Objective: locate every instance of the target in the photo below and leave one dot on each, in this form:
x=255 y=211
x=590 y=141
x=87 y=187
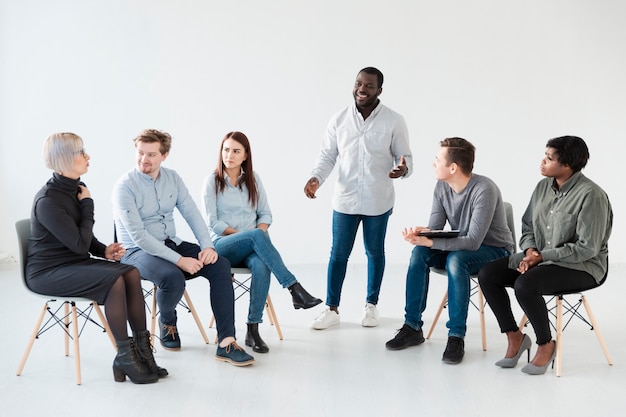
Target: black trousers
x=529 y=290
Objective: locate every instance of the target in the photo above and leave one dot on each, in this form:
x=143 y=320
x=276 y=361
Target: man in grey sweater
x=471 y=204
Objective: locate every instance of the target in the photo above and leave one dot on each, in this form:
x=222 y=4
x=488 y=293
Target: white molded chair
x=65 y=319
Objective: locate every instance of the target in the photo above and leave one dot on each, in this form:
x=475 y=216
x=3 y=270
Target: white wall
x=506 y=75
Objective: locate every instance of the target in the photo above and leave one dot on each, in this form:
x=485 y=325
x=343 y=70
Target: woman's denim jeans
x=254 y=249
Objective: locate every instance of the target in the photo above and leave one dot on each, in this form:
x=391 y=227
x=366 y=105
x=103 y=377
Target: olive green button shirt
x=569 y=226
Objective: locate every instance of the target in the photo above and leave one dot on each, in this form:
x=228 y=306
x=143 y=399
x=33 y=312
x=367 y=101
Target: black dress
x=62 y=243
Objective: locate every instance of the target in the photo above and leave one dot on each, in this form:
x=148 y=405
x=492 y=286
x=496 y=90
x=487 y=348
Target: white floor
x=342 y=371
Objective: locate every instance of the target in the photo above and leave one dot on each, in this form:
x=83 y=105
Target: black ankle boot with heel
x=301 y=298
x=127 y=363
x=253 y=339
x=145 y=350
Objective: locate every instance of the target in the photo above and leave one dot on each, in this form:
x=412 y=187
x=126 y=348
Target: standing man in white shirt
x=369 y=143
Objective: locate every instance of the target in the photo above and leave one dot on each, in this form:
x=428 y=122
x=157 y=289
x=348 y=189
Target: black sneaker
x=405 y=337
x=455 y=349
x=169 y=337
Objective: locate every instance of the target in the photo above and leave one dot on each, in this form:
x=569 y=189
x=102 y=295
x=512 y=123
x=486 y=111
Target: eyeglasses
x=82 y=152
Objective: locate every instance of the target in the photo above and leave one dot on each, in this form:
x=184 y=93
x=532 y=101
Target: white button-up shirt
x=364 y=152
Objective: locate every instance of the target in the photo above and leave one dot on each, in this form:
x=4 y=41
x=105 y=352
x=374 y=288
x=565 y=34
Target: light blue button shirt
x=143 y=210
x=232 y=208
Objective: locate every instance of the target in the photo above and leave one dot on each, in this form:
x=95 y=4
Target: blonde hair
x=152 y=136
x=59 y=150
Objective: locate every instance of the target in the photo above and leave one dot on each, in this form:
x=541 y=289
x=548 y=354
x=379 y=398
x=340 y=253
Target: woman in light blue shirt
x=238 y=216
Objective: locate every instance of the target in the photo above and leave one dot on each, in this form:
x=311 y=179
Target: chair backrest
x=510 y=221
x=22 y=227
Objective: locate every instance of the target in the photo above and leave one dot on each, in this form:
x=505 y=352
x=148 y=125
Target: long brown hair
x=247 y=176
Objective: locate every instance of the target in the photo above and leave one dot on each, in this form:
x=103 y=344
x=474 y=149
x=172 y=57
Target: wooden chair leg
x=522 y=322
x=596 y=329
x=269 y=306
x=105 y=324
x=31 y=341
x=483 y=327
x=442 y=305
x=153 y=314
x=559 y=335
x=195 y=316
x=76 y=344
x=66 y=321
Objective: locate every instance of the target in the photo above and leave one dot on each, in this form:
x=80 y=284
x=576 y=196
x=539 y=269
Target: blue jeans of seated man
x=460 y=265
x=254 y=249
x=171 y=283
x=344 y=228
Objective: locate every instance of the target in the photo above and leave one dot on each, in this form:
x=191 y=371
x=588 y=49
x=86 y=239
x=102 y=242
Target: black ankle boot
x=144 y=348
x=301 y=298
x=253 y=339
x=128 y=363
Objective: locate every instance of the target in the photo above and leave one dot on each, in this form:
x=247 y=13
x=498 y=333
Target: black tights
x=529 y=290
x=125 y=302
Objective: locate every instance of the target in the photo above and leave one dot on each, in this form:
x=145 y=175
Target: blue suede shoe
x=169 y=337
x=234 y=354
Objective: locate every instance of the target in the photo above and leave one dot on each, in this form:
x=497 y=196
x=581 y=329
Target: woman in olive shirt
x=565 y=231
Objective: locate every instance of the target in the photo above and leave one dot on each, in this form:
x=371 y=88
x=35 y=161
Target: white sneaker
x=326 y=319
x=370 y=316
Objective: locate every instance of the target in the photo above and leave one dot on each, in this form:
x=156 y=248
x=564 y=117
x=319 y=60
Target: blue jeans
x=171 y=282
x=254 y=249
x=345 y=227
x=460 y=265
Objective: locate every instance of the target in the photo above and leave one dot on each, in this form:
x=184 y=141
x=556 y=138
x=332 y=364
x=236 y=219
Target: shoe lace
x=403 y=331
x=145 y=350
x=370 y=310
x=322 y=316
x=171 y=330
x=235 y=346
x=455 y=345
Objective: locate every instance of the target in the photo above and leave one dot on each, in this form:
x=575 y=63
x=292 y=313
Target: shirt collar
x=227 y=178
x=567 y=185
x=373 y=113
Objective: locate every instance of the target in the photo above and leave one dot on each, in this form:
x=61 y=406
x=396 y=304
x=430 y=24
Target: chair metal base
x=65 y=321
x=561 y=310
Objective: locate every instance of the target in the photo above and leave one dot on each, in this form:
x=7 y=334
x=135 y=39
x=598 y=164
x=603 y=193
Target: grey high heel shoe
x=531 y=369
x=512 y=362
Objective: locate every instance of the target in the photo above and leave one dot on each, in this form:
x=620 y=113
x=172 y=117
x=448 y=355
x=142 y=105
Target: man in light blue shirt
x=143 y=203
x=369 y=144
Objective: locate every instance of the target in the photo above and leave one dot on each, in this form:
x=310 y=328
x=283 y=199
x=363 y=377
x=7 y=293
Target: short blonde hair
x=151 y=136
x=59 y=150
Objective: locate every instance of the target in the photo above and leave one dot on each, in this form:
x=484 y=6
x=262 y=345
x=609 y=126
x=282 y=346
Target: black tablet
x=439 y=233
